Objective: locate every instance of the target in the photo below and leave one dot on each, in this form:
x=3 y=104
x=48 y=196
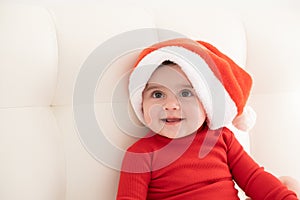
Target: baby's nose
x=172 y=104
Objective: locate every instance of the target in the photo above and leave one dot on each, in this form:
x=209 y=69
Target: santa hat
x=221 y=85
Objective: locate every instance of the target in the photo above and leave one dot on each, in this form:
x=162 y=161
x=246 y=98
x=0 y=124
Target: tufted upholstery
x=42 y=52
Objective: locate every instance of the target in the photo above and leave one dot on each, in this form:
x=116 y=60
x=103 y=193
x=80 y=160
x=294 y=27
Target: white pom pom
x=246 y=120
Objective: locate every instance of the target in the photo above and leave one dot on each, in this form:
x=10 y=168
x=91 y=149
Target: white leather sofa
x=47 y=151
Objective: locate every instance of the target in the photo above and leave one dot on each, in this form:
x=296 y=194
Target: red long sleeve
x=257 y=183
x=156 y=167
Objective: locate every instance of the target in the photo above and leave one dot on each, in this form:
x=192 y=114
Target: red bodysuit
x=159 y=168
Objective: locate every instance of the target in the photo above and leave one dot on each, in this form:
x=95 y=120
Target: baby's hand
x=291 y=183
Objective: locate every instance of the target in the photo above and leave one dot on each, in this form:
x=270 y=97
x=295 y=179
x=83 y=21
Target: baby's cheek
x=153 y=115
x=197 y=113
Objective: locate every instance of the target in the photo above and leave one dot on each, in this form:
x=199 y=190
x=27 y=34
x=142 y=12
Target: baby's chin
x=176 y=134
x=176 y=131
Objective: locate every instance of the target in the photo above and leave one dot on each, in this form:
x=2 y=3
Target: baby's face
x=170 y=105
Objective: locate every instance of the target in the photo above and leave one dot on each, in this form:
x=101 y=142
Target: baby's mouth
x=172 y=120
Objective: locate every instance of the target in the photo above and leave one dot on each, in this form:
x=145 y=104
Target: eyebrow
x=153 y=87
x=187 y=86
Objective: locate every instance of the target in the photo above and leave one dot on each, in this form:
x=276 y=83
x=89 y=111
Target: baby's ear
x=246 y=120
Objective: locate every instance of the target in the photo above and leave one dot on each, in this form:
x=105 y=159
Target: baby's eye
x=157 y=94
x=186 y=93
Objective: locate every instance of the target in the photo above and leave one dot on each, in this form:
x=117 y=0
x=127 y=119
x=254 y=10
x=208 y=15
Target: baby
x=186 y=93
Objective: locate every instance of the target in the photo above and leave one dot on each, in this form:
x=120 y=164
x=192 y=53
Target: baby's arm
x=133 y=186
x=256 y=182
x=245 y=122
x=291 y=184
x=134 y=177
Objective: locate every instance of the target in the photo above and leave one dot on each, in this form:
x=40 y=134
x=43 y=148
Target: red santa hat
x=221 y=85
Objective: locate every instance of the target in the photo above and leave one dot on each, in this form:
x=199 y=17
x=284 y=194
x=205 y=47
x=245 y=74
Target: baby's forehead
x=169 y=76
x=167 y=72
